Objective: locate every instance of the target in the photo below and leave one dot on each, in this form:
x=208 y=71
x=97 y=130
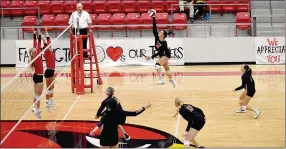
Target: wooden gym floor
x=207 y=87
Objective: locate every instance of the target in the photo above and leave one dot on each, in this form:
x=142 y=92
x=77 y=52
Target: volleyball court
x=17 y=93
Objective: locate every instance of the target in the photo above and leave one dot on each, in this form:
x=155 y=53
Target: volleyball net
x=17 y=93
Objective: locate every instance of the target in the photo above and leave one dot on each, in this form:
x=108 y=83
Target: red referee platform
x=78 y=73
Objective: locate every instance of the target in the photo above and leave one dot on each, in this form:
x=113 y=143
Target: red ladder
x=78 y=74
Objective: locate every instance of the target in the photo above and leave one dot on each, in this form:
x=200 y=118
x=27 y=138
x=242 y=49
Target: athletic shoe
x=160 y=82
x=53 y=104
x=256 y=113
x=240 y=111
x=49 y=105
x=173 y=82
x=200 y=147
x=127 y=137
x=37 y=113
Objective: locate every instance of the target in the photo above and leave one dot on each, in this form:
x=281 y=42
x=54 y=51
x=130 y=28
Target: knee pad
x=168 y=72
x=186 y=142
x=49 y=92
x=38 y=98
x=157 y=66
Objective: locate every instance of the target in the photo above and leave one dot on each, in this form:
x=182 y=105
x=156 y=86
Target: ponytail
x=248 y=70
x=30 y=57
x=180 y=103
x=169 y=33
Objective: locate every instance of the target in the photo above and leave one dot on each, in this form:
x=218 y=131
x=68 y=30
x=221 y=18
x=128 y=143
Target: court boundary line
x=54 y=132
x=177 y=127
x=25 y=114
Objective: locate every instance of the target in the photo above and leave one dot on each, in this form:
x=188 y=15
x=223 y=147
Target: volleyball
x=151 y=12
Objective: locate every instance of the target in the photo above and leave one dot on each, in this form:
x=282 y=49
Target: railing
x=24 y=8
x=207 y=5
x=192 y=30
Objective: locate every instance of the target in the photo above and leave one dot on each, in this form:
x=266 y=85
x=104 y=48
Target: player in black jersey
x=163 y=52
x=112 y=117
x=196 y=121
x=249 y=85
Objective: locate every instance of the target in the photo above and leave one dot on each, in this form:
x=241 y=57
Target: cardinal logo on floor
x=75 y=134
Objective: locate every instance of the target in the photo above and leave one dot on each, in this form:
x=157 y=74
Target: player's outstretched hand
x=92 y=133
x=148 y=57
x=147 y=106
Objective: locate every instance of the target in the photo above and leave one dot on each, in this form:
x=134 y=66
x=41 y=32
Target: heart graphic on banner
x=114 y=53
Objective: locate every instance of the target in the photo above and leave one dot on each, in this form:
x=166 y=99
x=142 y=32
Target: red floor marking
x=149 y=74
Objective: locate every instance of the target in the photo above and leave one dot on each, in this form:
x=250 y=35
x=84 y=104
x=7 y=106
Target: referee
x=80 y=19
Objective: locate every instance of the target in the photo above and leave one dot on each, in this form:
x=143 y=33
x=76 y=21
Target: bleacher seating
x=31 y=4
x=93 y=18
x=48 y=20
x=61 y=20
x=44 y=6
x=70 y=6
x=170 y=8
x=114 y=6
x=179 y=18
x=99 y=6
x=29 y=21
x=129 y=6
x=229 y=7
x=5 y=4
x=87 y=5
x=146 y=19
x=118 y=19
x=133 y=18
x=143 y=6
x=158 y=5
x=104 y=19
x=17 y=4
x=243 y=17
x=57 y=6
x=106 y=12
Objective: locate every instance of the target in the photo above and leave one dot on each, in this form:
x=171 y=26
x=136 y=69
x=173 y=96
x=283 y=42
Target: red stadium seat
x=29 y=4
x=242 y=6
x=216 y=7
x=146 y=19
x=179 y=18
x=87 y=5
x=17 y=4
x=104 y=19
x=44 y=6
x=229 y=7
x=243 y=17
x=129 y=6
x=70 y=6
x=5 y=4
x=29 y=21
x=93 y=18
x=57 y=6
x=114 y=6
x=162 y=18
x=158 y=5
x=144 y=6
x=170 y=8
x=99 y=6
x=48 y=20
x=119 y=19
x=61 y=20
x=133 y=18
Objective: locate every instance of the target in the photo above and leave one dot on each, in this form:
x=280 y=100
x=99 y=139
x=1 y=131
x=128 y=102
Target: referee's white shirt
x=84 y=19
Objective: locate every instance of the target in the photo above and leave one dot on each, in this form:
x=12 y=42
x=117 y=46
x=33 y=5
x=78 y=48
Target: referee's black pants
x=83 y=31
